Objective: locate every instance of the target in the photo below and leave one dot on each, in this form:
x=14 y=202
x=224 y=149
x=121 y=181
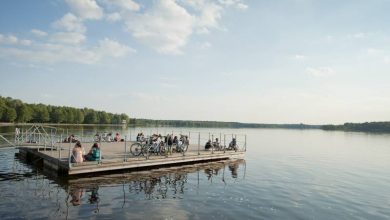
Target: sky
x=257 y=61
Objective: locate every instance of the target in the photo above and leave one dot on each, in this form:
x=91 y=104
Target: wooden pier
x=116 y=156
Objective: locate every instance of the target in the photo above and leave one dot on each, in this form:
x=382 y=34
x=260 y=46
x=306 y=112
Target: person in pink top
x=77 y=153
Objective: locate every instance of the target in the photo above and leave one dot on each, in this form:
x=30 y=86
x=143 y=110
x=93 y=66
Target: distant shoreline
x=370 y=127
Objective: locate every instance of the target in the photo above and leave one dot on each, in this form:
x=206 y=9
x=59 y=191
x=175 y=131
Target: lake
x=286 y=174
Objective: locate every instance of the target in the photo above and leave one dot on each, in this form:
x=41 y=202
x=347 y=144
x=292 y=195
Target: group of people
x=107 y=137
x=216 y=145
x=70 y=139
x=78 y=155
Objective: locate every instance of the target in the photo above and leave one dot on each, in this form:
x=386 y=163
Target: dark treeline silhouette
x=215 y=124
x=14 y=110
x=367 y=127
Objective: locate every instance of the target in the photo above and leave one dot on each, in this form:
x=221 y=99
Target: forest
x=367 y=127
x=14 y=110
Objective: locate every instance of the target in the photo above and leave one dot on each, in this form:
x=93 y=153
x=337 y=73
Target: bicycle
x=183 y=143
x=148 y=147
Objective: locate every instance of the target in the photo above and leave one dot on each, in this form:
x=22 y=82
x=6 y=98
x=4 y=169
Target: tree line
x=214 y=124
x=367 y=127
x=14 y=110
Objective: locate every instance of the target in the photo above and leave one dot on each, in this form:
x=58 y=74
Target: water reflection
x=165 y=183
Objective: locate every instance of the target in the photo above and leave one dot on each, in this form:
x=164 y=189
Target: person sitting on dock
x=233 y=145
x=216 y=144
x=208 y=145
x=117 y=137
x=77 y=153
x=94 y=153
x=70 y=139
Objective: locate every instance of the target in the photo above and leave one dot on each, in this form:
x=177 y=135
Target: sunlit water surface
x=286 y=174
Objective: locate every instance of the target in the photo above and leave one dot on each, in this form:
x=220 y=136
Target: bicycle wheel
x=163 y=150
x=136 y=149
x=184 y=147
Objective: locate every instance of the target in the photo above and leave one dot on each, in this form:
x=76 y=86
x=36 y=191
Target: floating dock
x=116 y=156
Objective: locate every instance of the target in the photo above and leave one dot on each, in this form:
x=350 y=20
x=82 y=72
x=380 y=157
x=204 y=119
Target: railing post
x=212 y=145
x=224 y=143
x=198 y=143
x=59 y=143
x=125 y=159
x=101 y=151
x=235 y=136
x=245 y=144
x=69 y=159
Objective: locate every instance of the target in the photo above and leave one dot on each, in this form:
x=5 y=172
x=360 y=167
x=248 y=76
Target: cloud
x=165 y=27
x=386 y=59
x=205 y=45
x=13 y=40
x=358 y=35
x=68 y=37
x=60 y=51
x=114 y=49
x=125 y=4
x=114 y=17
x=38 y=33
x=320 y=71
x=86 y=9
x=299 y=57
x=235 y=3
x=70 y=22
x=10 y=39
x=25 y=42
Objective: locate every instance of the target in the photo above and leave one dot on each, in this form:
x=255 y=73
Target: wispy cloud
x=320 y=71
x=38 y=33
x=86 y=9
x=299 y=57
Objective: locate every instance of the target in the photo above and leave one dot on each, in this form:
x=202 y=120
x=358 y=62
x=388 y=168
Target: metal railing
x=56 y=143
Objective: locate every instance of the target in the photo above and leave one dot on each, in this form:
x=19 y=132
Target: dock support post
x=125 y=159
x=198 y=143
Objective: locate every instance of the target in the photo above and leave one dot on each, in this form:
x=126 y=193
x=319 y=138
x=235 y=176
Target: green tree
x=69 y=116
x=124 y=117
x=116 y=119
x=79 y=116
x=104 y=118
x=57 y=115
x=41 y=114
x=91 y=118
x=24 y=113
x=9 y=115
x=2 y=107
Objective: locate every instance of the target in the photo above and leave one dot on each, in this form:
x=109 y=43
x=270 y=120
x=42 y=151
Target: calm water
x=286 y=174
